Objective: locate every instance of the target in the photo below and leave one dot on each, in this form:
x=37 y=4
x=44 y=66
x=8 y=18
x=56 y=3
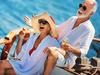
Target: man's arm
x=70 y=48
x=83 y=46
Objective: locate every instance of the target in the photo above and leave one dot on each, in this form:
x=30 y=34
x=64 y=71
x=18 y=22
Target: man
x=75 y=36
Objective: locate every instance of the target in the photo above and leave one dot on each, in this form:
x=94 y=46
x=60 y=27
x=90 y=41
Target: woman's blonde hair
x=53 y=31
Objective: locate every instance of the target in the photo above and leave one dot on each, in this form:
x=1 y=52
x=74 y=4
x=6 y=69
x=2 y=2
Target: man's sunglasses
x=84 y=7
x=42 y=21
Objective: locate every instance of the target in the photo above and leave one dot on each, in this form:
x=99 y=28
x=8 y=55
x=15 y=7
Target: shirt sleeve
x=24 y=47
x=63 y=25
x=86 y=42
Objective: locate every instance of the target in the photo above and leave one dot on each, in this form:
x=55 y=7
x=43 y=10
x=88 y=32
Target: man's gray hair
x=95 y=6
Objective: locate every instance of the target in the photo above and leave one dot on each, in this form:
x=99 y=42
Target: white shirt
x=80 y=37
x=34 y=64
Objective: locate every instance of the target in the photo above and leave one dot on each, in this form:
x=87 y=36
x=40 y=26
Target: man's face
x=85 y=9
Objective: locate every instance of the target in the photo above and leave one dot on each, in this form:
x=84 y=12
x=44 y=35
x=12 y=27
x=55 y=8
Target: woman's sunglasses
x=42 y=21
x=84 y=7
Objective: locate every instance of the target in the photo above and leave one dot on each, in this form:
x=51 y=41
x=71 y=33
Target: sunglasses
x=42 y=21
x=82 y=6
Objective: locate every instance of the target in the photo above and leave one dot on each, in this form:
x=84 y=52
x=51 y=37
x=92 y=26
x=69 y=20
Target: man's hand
x=66 y=46
x=27 y=20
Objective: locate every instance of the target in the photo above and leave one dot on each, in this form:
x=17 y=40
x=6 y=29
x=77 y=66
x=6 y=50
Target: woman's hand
x=27 y=20
x=21 y=35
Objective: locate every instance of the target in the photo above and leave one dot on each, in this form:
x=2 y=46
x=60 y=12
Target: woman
x=32 y=57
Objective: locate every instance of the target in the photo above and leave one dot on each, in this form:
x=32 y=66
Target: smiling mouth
x=41 y=27
x=79 y=12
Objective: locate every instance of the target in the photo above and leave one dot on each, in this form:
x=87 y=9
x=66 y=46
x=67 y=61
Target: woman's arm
x=20 y=42
x=27 y=20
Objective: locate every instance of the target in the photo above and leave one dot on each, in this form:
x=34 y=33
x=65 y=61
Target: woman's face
x=44 y=28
